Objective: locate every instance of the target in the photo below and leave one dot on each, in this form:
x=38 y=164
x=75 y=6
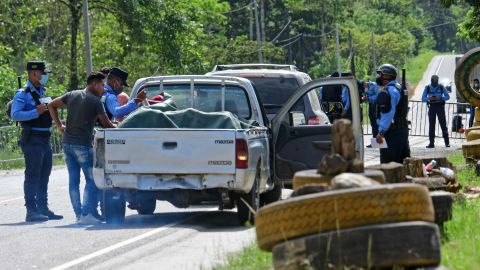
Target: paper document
x=377 y=145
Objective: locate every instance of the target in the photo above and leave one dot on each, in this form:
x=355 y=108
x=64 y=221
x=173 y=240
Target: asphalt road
x=193 y=238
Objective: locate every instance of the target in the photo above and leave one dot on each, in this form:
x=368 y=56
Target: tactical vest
x=44 y=120
x=430 y=91
x=401 y=110
x=332 y=93
x=109 y=114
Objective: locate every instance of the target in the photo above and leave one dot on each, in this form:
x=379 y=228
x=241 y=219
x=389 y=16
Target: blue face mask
x=44 y=79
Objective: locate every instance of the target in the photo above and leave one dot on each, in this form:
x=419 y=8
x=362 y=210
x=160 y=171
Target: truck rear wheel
x=114 y=207
x=272 y=195
x=147 y=206
x=247 y=204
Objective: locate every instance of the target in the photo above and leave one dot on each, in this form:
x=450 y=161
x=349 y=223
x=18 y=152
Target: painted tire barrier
x=403 y=244
x=471 y=149
x=341 y=209
x=473 y=135
x=308 y=177
x=302 y=178
x=462 y=76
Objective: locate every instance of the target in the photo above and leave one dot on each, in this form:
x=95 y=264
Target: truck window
x=275 y=91
x=335 y=101
x=206 y=98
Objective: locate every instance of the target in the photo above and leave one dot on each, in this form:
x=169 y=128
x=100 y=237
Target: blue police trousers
x=37 y=151
x=398 y=147
x=437 y=110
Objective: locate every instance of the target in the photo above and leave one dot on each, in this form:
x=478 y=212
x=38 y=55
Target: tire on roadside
x=306 y=177
x=114 y=206
x=341 y=209
x=147 y=206
x=464 y=68
x=402 y=244
x=442 y=204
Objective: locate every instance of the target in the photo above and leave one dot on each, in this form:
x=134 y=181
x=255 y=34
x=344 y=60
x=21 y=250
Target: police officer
x=29 y=107
x=435 y=95
x=116 y=80
x=392 y=107
x=371 y=92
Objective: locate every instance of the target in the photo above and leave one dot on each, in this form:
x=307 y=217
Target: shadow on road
x=215 y=221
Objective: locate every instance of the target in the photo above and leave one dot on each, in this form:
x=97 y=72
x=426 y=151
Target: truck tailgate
x=169 y=151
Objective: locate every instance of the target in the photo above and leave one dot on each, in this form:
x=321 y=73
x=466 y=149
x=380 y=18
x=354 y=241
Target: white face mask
x=44 y=79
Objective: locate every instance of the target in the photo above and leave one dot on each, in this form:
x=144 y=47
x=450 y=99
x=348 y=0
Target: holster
x=25 y=134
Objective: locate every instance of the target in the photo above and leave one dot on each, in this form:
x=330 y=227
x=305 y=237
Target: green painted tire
x=462 y=76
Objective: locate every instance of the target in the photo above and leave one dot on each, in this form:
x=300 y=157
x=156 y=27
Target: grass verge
x=416 y=66
x=250 y=258
x=20 y=164
x=461 y=243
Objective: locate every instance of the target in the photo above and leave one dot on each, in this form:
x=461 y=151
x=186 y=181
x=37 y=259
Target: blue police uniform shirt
x=386 y=119
x=372 y=92
x=113 y=106
x=438 y=91
x=24 y=107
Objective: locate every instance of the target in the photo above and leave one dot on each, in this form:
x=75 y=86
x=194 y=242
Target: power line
x=283 y=29
x=288 y=39
x=290 y=43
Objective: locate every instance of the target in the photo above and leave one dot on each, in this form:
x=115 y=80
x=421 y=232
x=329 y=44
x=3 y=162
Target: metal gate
x=418 y=119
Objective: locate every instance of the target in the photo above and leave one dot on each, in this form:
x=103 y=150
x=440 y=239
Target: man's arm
x=52 y=108
x=425 y=96
x=18 y=105
x=106 y=123
x=118 y=111
x=445 y=95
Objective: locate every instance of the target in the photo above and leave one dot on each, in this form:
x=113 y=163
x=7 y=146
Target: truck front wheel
x=247 y=204
x=114 y=206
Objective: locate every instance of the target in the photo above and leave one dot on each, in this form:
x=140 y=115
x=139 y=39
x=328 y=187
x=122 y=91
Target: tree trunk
x=74 y=25
x=413 y=167
x=394 y=172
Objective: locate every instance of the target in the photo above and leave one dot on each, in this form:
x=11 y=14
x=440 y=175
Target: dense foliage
x=151 y=37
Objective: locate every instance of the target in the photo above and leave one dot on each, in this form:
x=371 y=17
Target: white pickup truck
x=189 y=163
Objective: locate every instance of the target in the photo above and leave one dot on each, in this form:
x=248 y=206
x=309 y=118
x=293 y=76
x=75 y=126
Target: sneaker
x=51 y=216
x=98 y=216
x=34 y=216
x=88 y=220
x=430 y=146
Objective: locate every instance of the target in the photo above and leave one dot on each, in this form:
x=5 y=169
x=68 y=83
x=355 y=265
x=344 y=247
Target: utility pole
x=374 y=55
x=337 y=45
x=250 y=13
x=262 y=19
x=257 y=29
x=352 y=53
x=86 y=29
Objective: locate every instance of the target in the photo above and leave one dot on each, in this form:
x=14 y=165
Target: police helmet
x=387 y=69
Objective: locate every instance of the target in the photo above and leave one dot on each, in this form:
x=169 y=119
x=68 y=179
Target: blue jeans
x=37 y=151
x=81 y=157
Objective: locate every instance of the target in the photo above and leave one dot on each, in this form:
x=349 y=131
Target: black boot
x=48 y=213
x=34 y=216
x=430 y=146
x=447 y=142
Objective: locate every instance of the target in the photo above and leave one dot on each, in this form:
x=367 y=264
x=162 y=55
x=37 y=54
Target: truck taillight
x=241 y=154
x=313 y=121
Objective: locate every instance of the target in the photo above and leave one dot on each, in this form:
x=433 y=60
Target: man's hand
x=365 y=98
x=379 y=138
x=61 y=128
x=41 y=108
x=141 y=95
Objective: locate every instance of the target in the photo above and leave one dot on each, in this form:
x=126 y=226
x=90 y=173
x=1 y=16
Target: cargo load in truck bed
x=189 y=118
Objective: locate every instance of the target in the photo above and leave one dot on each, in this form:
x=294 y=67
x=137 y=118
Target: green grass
x=20 y=164
x=416 y=66
x=250 y=258
x=461 y=242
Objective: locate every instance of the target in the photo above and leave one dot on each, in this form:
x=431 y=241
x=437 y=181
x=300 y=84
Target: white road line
x=439 y=65
x=9 y=200
x=122 y=244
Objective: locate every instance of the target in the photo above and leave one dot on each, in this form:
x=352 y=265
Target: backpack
x=35 y=96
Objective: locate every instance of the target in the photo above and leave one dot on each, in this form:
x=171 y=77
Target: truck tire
x=147 y=206
x=272 y=195
x=341 y=209
x=403 y=244
x=247 y=204
x=114 y=206
x=471 y=149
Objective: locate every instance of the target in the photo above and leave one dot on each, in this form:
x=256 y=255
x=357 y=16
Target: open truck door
x=298 y=146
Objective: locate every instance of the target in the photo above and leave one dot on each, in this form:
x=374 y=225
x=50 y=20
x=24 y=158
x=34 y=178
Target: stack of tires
x=377 y=226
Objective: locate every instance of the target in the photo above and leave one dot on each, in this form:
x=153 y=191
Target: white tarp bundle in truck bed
x=163 y=117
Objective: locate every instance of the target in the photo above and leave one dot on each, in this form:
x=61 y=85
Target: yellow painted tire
x=376 y=175
x=476 y=124
x=471 y=149
x=302 y=178
x=477 y=114
x=471 y=129
x=341 y=209
x=464 y=68
x=473 y=135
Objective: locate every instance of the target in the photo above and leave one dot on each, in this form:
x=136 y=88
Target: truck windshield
x=206 y=98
